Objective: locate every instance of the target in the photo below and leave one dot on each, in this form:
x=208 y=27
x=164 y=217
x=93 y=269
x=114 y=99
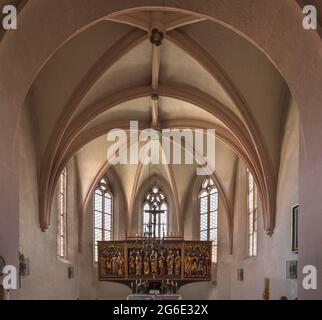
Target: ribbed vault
x=86 y=113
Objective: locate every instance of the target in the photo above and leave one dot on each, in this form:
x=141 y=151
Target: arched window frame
x=208 y=200
x=163 y=218
x=62 y=216
x=252 y=215
x=102 y=214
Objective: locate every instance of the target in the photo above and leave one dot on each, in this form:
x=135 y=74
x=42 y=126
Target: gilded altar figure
x=138 y=264
x=120 y=264
x=200 y=264
x=108 y=264
x=187 y=264
x=114 y=264
x=154 y=262
x=161 y=264
x=146 y=265
x=102 y=264
x=170 y=263
x=177 y=262
x=131 y=263
x=194 y=264
x=196 y=260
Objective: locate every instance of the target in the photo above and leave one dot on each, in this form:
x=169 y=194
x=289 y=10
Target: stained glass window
x=103 y=214
x=62 y=217
x=252 y=215
x=208 y=210
x=155 y=199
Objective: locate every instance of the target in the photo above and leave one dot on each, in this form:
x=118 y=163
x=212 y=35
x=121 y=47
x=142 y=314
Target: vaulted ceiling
x=201 y=76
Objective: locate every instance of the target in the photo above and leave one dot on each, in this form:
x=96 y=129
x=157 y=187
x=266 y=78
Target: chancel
x=152 y=150
x=154 y=263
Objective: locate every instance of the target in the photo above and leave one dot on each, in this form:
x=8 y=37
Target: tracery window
x=208 y=210
x=252 y=215
x=103 y=214
x=62 y=216
x=155 y=198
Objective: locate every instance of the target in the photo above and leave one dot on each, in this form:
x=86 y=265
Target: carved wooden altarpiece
x=170 y=260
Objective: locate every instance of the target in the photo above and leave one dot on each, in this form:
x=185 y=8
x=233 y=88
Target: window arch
x=62 y=216
x=103 y=214
x=208 y=211
x=155 y=198
x=251 y=215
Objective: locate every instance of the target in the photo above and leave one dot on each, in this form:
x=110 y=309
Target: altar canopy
x=170 y=260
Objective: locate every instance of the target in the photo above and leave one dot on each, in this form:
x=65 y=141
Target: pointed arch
x=224 y=199
x=207 y=103
x=103 y=212
x=155 y=199
x=143 y=190
x=230 y=13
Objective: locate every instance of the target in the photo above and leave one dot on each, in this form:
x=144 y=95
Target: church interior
x=78 y=226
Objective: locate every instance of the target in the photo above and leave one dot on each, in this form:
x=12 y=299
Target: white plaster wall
x=274 y=251
x=48 y=277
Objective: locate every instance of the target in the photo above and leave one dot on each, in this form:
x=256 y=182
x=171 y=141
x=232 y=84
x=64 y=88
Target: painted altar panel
x=155 y=263
x=112 y=260
x=197 y=260
x=170 y=260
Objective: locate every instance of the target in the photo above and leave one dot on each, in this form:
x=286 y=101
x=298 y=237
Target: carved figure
x=170 y=263
x=108 y=264
x=200 y=264
x=154 y=262
x=187 y=264
x=146 y=265
x=138 y=264
x=131 y=263
x=114 y=264
x=161 y=264
x=120 y=264
x=194 y=264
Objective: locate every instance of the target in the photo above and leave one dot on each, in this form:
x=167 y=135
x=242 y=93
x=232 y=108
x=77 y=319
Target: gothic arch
x=120 y=203
x=145 y=187
x=257 y=24
x=224 y=201
x=239 y=132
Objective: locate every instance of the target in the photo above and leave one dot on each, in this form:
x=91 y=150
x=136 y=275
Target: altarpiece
x=171 y=260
